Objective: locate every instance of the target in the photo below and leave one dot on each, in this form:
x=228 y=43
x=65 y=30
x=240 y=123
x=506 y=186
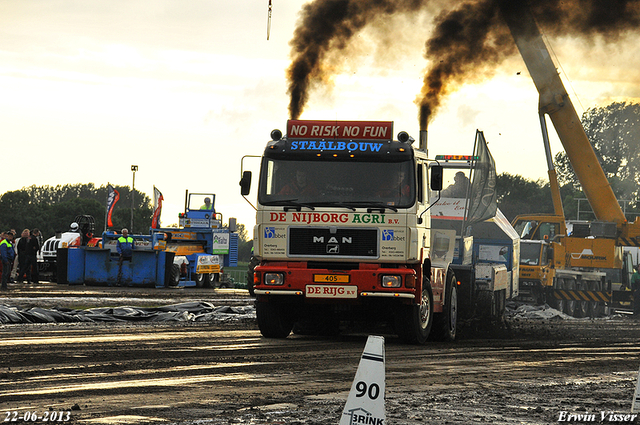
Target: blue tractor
x=201 y=247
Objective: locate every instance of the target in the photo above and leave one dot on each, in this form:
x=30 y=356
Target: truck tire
x=570 y=306
x=200 y=280
x=445 y=324
x=174 y=278
x=250 y=284
x=413 y=322
x=250 y=276
x=273 y=320
x=553 y=301
x=215 y=280
x=582 y=307
x=207 y=280
x=596 y=309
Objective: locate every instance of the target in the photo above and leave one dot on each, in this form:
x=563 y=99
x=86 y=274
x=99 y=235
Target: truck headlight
x=391 y=281
x=273 y=278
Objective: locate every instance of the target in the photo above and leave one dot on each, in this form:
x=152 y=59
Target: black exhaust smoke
x=469 y=41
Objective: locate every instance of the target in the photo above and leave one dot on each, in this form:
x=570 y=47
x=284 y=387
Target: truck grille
x=333 y=242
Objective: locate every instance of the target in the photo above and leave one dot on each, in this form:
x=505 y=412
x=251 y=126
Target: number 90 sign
x=372 y=391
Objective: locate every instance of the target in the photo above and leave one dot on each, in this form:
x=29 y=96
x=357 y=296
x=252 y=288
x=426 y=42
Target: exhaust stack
x=423 y=141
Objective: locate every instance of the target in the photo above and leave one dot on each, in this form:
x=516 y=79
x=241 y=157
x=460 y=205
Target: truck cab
x=536 y=271
x=539 y=226
x=343 y=231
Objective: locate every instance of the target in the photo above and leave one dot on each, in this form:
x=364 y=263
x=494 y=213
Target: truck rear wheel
x=582 y=307
x=174 y=278
x=413 y=322
x=445 y=324
x=554 y=302
x=595 y=309
x=200 y=280
x=570 y=305
x=273 y=320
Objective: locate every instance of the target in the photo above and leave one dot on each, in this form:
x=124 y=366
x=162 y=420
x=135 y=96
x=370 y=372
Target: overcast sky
x=185 y=89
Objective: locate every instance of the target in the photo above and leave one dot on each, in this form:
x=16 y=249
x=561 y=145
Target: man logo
x=332 y=239
x=333 y=249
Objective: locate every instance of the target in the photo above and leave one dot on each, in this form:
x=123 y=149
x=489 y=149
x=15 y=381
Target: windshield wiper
x=370 y=206
x=381 y=207
x=335 y=204
x=286 y=203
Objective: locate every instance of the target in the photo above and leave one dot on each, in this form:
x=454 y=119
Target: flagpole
x=106 y=210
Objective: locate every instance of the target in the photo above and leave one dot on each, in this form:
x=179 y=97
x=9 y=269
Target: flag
x=483 y=201
x=112 y=197
x=157 y=208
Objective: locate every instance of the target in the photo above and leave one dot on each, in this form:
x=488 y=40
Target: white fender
x=365 y=404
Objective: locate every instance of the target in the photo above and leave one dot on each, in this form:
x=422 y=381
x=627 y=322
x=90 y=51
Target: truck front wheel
x=445 y=324
x=273 y=320
x=413 y=322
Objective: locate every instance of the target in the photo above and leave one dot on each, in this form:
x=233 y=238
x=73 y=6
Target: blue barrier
x=96 y=266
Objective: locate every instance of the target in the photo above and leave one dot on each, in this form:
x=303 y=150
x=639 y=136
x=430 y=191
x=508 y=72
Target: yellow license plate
x=331 y=278
x=210 y=268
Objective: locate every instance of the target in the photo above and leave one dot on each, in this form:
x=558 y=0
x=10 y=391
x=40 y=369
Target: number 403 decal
x=372 y=391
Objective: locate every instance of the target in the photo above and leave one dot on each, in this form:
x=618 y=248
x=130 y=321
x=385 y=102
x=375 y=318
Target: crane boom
x=553 y=176
x=555 y=102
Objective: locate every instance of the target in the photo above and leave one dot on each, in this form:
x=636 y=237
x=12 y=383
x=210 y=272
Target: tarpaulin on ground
x=525 y=311
x=195 y=311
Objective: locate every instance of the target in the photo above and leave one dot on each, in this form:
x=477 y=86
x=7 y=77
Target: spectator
x=7 y=253
x=13 y=262
x=33 y=246
x=125 y=246
x=22 y=256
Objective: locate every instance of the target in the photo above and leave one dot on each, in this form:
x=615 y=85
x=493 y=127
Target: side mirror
x=436 y=177
x=245 y=183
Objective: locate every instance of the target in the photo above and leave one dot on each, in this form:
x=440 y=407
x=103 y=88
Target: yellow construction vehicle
x=579 y=269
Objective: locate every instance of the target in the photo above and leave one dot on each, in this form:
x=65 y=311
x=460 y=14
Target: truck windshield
x=530 y=254
x=347 y=184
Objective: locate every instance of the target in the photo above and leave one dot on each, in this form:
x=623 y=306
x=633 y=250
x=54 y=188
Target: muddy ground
x=529 y=371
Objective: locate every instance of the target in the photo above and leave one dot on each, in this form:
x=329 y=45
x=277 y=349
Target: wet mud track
x=527 y=373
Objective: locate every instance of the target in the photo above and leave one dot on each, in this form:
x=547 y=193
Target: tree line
x=53 y=208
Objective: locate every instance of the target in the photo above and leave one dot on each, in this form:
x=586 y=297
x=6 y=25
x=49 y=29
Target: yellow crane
x=574 y=272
